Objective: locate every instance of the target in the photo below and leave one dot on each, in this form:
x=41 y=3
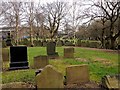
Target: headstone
x=110 y=82
x=40 y=61
x=18 y=57
x=69 y=52
x=76 y=74
x=49 y=78
x=51 y=49
x=5 y=54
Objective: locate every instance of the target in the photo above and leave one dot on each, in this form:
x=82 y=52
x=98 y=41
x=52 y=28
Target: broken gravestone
x=40 y=61
x=111 y=82
x=69 y=52
x=49 y=77
x=76 y=74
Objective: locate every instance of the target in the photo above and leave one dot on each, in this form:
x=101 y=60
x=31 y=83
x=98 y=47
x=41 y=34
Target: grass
x=97 y=68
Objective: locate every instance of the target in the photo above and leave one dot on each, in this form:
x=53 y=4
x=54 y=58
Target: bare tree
x=54 y=12
x=11 y=17
x=112 y=13
x=39 y=20
x=30 y=16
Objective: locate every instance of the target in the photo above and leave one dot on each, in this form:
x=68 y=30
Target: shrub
x=78 y=43
x=25 y=41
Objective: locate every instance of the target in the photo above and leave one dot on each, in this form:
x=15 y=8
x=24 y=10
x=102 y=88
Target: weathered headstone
x=76 y=74
x=51 y=49
x=18 y=57
x=49 y=78
x=40 y=61
x=5 y=54
x=110 y=82
x=69 y=52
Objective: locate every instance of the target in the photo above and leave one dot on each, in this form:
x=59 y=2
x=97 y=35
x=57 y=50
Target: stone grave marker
x=110 y=82
x=5 y=54
x=51 y=49
x=18 y=57
x=40 y=61
x=49 y=77
x=76 y=74
x=69 y=52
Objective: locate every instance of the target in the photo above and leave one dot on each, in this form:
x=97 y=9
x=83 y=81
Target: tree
x=30 y=16
x=39 y=21
x=111 y=10
x=11 y=16
x=54 y=13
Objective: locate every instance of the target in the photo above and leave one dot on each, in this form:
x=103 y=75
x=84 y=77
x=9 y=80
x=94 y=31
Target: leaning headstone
x=110 y=82
x=51 y=49
x=69 y=52
x=40 y=61
x=18 y=57
x=49 y=78
x=76 y=74
x=5 y=54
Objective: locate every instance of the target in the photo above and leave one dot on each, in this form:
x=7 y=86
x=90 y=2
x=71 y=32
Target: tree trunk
x=112 y=44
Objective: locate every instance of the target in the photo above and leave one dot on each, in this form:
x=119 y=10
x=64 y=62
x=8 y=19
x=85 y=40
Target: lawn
x=100 y=63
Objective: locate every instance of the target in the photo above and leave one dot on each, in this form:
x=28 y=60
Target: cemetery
x=48 y=50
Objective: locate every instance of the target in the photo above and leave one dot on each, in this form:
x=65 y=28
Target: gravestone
x=5 y=54
x=40 y=61
x=49 y=77
x=18 y=57
x=110 y=82
x=76 y=74
x=51 y=49
x=69 y=52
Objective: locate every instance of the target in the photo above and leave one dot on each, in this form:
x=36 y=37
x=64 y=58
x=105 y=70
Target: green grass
x=97 y=69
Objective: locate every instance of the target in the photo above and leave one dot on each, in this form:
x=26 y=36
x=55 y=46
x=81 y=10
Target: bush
x=37 y=43
x=68 y=44
x=94 y=44
x=59 y=43
x=86 y=43
x=78 y=43
x=25 y=42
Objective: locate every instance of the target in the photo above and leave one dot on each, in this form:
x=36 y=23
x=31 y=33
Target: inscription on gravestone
x=18 y=57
